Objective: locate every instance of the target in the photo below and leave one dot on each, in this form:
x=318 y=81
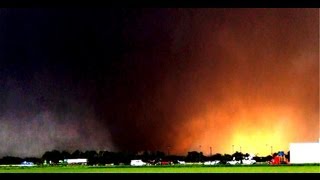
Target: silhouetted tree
x=238 y=156
x=268 y=158
x=108 y=157
x=225 y=158
x=160 y=155
x=10 y=160
x=53 y=156
x=257 y=159
x=288 y=156
x=124 y=157
x=175 y=158
x=146 y=156
x=128 y=156
x=92 y=157
x=65 y=155
x=194 y=156
x=217 y=156
x=76 y=154
x=35 y=160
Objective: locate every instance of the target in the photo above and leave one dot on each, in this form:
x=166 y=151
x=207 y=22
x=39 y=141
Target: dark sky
x=148 y=79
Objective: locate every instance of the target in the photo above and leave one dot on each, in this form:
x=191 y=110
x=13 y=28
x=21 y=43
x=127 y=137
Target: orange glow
x=253 y=85
x=253 y=129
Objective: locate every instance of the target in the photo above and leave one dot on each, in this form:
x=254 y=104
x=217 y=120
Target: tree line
x=116 y=158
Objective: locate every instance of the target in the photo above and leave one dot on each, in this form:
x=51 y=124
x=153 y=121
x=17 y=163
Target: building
x=76 y=161
x=304 y=153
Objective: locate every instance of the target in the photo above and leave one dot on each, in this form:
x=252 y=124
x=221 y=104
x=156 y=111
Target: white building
x=76 y=161
x=304 y=153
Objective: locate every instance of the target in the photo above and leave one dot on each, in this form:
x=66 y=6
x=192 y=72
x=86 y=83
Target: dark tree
x=107 y=157
x=76 y=154
x=225 y=158
x=268 y=158
x=35 y=160
x=258 y=159
x=159 y=155
x=217 y=156
x=10 y=160
x=238 y=156
x=194 y=156
x=288 y=156
x=92 y=157
x=65 y=155
x=53 y=156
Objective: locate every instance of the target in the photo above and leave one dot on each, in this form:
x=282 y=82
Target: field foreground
x=167 y=169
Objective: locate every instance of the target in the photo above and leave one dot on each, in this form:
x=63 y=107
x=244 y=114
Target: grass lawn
x=168 y=169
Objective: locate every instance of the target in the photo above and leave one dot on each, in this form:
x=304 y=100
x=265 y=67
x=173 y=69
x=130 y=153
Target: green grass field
x=169 y=169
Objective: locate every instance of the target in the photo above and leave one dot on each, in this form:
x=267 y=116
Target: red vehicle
x=166 y=163
x=279 y=159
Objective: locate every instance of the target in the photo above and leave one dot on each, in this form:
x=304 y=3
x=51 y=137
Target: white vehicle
x=234 y=162
x=211 y=162
x=76 y=161
x=248 y=160
x=181 y=162
x=137 y=163
x=25 y=163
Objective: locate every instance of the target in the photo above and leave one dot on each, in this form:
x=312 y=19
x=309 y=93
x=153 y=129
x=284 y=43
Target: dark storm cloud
x=34 y=120
x=145 y=79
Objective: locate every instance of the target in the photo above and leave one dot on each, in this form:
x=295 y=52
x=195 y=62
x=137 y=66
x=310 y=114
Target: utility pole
x=210 y=151
x=232 y=149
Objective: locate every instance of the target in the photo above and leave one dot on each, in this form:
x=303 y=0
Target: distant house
x=76 y=161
